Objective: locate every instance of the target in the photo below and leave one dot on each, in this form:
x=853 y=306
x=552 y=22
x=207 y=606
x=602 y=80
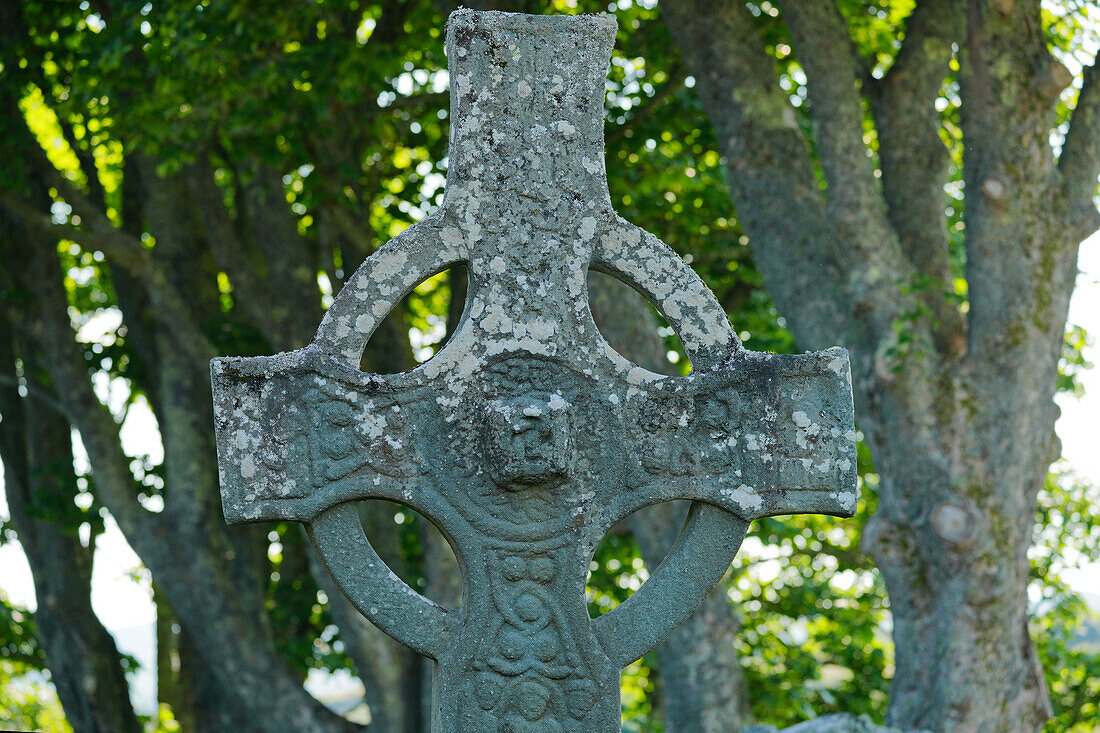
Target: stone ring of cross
x=526 y=437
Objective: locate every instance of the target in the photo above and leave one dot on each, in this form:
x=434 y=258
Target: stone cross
x=527 y=437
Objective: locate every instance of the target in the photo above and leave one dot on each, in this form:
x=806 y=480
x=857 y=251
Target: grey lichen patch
x=527 y=436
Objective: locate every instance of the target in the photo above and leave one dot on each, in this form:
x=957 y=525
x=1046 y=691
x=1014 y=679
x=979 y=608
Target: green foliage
x=616 y=571
x=1066 y=628
x=815 y=637
x=877 y=28
x=28 y=701
x=1074 y=361
x=298 y=609
x=19 y=643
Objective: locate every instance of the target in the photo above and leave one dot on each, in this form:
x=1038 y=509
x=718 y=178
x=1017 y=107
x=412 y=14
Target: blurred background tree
x=187 y=179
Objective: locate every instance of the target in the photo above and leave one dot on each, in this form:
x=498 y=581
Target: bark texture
x=40 y=486
x=957 y=403
x=236 y=679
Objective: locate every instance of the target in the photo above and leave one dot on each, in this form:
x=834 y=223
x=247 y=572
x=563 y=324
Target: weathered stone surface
x=527 y=437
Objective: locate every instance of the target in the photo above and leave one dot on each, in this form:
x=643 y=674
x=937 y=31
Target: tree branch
x=925 y=51
x=47 y=324
x=673 y=84
x=915 y=162
x=1079 y=163
x=121 y=248
x=34 y=392
x=1019 y=264
x=855 y=203
x=125 y=251
x=246 y=270
x=823 y=47
x=109 y=243
x=772 y=179
x=834 y=273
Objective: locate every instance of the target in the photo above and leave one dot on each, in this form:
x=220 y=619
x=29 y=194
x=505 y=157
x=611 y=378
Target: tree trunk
x=208 y=572
x=957 y=405
x=219 y=594
x=36 y=449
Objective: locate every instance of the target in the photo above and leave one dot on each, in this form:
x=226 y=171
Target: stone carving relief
x=527 y=437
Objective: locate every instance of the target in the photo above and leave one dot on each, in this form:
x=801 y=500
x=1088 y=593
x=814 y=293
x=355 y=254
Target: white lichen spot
x=496 y=320
x=564 y=127
x=371 y=423
x=745 y=497
x=451 y=236
x=801 y=419
x=248 y=467
x=342 y=329
x=240 y=439
x=532 y=411
x=556 y=402
x=497 y=265
x=587 y=228
x=363 y=323
x=380 y=308
x=540 y=330
x=838 y=365
x=387 y=263
x=524 y=89
x=473 y=229
x=613 y=398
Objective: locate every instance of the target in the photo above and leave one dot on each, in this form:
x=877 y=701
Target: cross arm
x=301 y=437
x=298 y=433
x=761 y=435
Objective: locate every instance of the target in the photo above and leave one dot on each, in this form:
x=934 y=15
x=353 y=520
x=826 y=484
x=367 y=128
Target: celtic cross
x=527 y=437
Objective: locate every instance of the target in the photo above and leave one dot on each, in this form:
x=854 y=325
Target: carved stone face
x=526 y=440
